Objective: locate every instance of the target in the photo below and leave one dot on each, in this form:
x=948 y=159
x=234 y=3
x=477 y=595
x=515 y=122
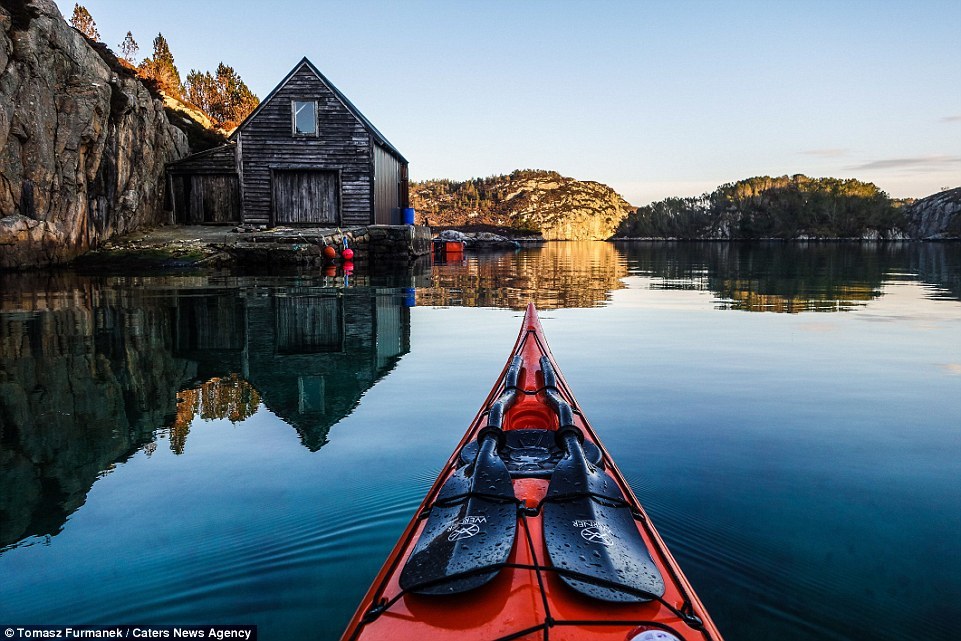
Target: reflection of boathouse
x=310 y=352
x=89 y=373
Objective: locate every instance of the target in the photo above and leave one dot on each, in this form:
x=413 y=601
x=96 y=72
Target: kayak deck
x=617 y=580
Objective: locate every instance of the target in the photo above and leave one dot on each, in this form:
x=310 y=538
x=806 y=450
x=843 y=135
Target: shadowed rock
x=82 y=146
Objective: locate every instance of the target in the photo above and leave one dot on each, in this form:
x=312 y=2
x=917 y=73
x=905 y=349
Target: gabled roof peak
x=374 y=132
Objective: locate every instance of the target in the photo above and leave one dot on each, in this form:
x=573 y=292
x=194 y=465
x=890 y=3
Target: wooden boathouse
x=306 y=156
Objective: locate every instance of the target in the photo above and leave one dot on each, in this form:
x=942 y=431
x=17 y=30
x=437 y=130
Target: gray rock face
x=936 y=217
x=82 y=148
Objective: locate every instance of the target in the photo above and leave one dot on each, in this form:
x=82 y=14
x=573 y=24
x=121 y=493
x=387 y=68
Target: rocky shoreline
x=192 y=246
x=179 y=247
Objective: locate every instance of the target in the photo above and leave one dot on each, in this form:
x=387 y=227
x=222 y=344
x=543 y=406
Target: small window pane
x=305 y=117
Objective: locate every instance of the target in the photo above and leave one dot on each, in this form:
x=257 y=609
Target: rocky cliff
x=936 y=217
x=82 y=144
x=560 y=208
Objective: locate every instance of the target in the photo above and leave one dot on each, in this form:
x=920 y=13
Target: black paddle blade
x=470 y=530
x=588 y=529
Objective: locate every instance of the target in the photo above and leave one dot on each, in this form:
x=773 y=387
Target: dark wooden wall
x=346 y=174
x=343 y=145
x=204 y=188
x=206 y=199
x=218 y=160
x=388 y=183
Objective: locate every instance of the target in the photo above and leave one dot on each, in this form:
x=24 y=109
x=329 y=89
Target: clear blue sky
x=653 y=98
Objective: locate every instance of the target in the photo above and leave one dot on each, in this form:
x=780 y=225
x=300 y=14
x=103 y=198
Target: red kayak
x=531 y=532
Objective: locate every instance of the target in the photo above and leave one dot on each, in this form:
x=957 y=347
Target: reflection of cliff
x=939 y=264
x=86 y=376
x=790 y=277
x=556 y=275
x=91 y=370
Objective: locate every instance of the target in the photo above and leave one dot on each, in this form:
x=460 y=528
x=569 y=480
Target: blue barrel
x=408 y=215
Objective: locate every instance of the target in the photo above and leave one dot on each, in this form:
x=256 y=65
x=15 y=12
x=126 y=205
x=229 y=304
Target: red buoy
x=330 y=253
x=348 y=254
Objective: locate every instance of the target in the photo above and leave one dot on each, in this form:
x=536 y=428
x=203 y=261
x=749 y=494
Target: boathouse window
x=305 y=117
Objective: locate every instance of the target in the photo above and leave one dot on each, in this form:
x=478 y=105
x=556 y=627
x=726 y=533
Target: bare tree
x=129 y=49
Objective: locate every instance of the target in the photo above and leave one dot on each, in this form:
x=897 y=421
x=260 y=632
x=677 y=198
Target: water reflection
x=555 y=275
x=778 y=277
x=94 y=369
x=231 y=398
x=794 y=277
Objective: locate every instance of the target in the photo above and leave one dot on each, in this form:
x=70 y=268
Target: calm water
x=195 y=449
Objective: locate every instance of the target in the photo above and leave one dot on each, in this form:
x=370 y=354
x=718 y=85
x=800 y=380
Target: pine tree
x=129 y=49
x=200 y=88
x=83 y=22
x=224 y=96
x=236 y=99
x=161 y=68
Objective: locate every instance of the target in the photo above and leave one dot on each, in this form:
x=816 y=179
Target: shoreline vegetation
x=740 y=213
x=782 y=208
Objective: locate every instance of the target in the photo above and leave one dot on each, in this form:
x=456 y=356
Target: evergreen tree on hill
x=83 y=22
x=161 y=68
x=223 y=96
x=237 y=100
x=200 y=89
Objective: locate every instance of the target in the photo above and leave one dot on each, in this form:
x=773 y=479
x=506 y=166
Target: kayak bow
x=531 y=532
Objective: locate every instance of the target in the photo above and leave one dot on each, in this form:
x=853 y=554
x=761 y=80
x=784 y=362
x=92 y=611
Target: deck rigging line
x=684 y=613
x=565 y=414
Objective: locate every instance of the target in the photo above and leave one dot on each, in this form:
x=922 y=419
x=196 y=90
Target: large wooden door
x=214 y=199
x=309 y=324
x=306 y=197
x=206 y=199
